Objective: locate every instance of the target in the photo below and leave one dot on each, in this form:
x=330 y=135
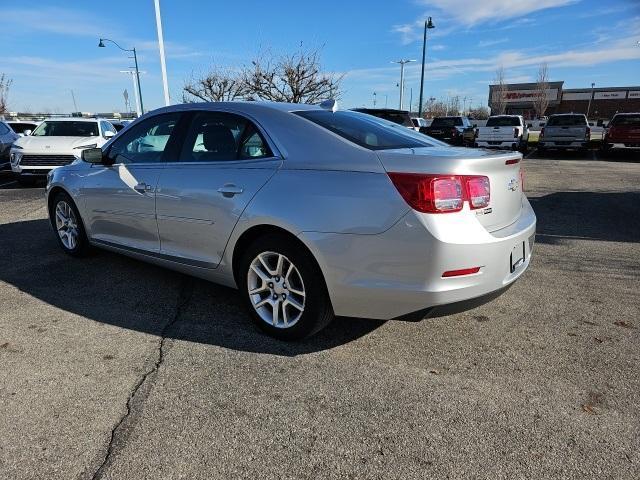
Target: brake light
x=587 y=134
x=515 y=133
x=522 y=178
x=442 y=193
x=541 y=132
x=454 y=131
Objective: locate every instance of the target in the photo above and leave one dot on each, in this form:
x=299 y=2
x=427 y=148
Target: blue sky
x=50 y=48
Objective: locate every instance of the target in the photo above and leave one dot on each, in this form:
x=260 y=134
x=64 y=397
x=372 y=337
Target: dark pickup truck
x=452 y=130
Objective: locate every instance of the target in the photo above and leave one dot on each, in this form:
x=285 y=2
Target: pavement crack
x=184 y=296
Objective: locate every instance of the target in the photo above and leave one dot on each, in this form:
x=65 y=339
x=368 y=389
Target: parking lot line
x=8 y=183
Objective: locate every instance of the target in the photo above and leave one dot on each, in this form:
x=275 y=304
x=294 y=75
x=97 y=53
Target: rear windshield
x=21 y=127
x=503 y=122
x=626 y=120
x=447 y=122
x=567 y=121
x=66 y=129
x=366 y=130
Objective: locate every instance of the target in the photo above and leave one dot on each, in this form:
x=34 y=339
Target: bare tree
x=434 y=108
x=479 y=113
x=453 y=105
x=294 y=78
x=499 y=93
x=541 y=100
x=5 y=84
x=219 y=85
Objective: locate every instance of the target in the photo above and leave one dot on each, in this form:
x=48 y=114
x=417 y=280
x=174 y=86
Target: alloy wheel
x=276 y=289
x=66 y=225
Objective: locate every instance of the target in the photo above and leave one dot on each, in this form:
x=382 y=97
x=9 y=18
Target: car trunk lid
x=502 y=169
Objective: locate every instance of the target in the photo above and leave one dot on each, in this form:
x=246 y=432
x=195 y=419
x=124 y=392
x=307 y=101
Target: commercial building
x=601 y=103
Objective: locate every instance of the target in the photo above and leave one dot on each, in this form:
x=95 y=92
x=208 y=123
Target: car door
x=224 y=161
x=119 y=199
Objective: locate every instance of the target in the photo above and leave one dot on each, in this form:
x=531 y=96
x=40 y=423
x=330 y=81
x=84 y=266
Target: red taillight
x=522 y=178
x=442 y=193
x=479 y=191
x=463 y=271
x=541 y=132
x=515 y=133
x=454 y=131
x=587 y=134
x=512 y=161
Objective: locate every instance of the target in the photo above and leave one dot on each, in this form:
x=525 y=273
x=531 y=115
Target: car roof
x=567 y=114
x=381 y=110
x=72 y=119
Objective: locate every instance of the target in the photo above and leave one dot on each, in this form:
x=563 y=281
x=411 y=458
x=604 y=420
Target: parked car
x=54 y=143
x=22 y=127
x=310 y=212
x=401 y=117
x=623 y=132
x=419 y=122
x=504 y=131
x=565 y=131
x=452 y=130
x=7 y=137
x=119 y=124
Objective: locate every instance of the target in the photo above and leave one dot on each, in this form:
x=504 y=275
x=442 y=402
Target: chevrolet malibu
x=309 y=211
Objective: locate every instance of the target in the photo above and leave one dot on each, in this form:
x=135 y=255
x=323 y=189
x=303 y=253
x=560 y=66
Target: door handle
x=229 y=190
x=143 y=188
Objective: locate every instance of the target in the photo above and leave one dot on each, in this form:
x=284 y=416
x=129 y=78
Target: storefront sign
x=634 y=93
x=576 y=95
x=515 y=96
x=609 y=95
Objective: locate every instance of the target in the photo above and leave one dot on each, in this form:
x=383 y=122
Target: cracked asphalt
x=114 y=369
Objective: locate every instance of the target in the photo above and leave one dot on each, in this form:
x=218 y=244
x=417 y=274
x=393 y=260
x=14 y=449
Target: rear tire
x=289 y=298
x=67 y=226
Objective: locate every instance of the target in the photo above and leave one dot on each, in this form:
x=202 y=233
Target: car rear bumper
x=400 y=272
x=511 y=144
x=560 y=144
x=623 y=145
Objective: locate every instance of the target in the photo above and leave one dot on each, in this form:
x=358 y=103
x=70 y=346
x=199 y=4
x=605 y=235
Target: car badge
x=513 y=185
x=47 y=146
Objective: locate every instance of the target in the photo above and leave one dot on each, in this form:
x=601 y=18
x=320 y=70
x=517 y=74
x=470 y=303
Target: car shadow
x=117 y=290
x=603 y=216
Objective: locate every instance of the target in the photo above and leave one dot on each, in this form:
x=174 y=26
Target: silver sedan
x=309 y=211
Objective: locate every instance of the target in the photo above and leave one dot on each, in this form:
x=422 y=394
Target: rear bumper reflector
x=458 y=273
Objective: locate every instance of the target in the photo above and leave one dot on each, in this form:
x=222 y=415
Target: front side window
x=145 y=142
x=219 y=136
x=626 y=120
x=68 y=128
x=366 y=130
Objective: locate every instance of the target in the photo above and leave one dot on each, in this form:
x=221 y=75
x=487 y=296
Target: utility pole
x=590 y=97
x=386 y=100
x=137 y=71
x=136 y=88
x=374 y=99
x=73 y=97
x=410 y=98
x=427 y=25
x=163 y=63
x=402 y=63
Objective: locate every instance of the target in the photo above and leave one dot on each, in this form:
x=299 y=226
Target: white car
x=54 y=143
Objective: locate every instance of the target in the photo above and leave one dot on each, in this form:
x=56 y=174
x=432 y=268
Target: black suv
x=401 y=117
x=453 y=130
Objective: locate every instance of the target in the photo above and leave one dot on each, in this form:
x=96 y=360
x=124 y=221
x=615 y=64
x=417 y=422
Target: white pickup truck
x=504 y=131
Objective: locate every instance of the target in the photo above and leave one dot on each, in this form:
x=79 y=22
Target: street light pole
x=374 y=99
x=163 y=63
x=402 y=63
x=590 y=97
x=427 y=25
x=135 y=59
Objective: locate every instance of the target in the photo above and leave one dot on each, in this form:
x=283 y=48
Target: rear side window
x=626 y=120
x=503 y=122
x=447 y=122
x=366 y=130
x=567 y=121
x=219 y=136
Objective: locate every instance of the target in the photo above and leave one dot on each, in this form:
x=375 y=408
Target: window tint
x=3 y=129
x=447 y=122
x=144 y=142
x=21 y=127
x=68 y=128
x=567 y=121
x=399 y=117
x=503 y=122
x=367 y=131
x=626 y=120
x=218 y=136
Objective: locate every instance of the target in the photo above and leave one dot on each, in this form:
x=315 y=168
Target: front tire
x=67 y=225
x=283 y=288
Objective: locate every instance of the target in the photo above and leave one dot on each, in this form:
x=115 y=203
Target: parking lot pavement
x=111 y=368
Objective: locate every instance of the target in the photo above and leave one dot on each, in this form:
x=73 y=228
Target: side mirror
x=26 y=133
x=475 y=125
x=92 y=155
x=108 y=134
